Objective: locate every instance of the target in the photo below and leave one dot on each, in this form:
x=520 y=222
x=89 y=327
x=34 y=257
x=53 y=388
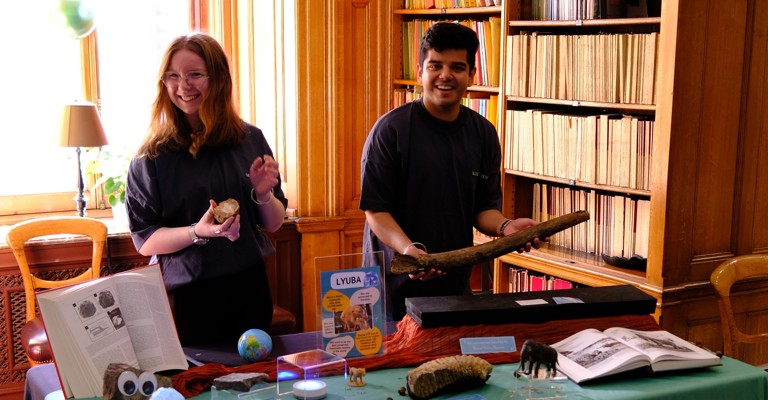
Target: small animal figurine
x=356 y=377
x=537 y=354
x=124 y=382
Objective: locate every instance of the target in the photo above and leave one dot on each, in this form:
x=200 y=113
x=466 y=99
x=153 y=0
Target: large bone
x=407 y=264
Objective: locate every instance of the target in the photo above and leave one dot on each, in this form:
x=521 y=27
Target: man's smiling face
x=445 y=77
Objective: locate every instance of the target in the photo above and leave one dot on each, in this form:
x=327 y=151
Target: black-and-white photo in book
x=591 y=354
x=121 y=318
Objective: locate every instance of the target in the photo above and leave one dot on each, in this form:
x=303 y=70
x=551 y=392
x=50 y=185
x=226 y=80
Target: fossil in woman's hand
x=225 y=209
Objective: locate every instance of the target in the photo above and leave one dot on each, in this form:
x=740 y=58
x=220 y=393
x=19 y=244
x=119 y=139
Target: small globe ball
x=254 y=345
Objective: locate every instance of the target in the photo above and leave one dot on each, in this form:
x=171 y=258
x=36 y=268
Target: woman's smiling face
x=187 y=82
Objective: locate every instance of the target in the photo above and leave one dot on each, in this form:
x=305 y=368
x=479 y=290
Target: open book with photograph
x=121 y=318
x=591 y=354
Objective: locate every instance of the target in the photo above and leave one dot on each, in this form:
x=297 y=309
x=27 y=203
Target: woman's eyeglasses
x=174 y=78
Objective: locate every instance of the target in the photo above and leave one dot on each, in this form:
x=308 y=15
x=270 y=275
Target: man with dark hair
x=431 y=170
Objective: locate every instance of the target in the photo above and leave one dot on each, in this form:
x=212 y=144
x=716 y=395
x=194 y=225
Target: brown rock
x=225 y=209
x=239 y=381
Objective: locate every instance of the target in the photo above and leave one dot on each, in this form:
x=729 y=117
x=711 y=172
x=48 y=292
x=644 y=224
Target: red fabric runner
x=411 y=346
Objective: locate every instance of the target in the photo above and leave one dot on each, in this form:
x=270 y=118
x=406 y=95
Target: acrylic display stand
x=300 y=375
x=351 y=306
x=539 y=387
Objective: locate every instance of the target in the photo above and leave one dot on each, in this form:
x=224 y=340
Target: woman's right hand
x=207 y=226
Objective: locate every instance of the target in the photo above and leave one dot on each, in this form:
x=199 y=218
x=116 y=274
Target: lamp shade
x=81 y=126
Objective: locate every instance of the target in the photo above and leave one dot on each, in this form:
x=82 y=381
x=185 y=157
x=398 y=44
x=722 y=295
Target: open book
x=591 y=354
x=122 y=318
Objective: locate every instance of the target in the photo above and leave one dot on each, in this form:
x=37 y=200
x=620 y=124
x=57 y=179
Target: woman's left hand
x=264 y=174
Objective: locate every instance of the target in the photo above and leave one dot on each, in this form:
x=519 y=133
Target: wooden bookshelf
x=708 y=183
x=583 y=103
x=520 y=63
x=704 y=197
x=449 y=11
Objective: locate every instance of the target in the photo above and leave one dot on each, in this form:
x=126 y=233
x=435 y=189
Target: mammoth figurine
x=356 y=377
x=537 y=354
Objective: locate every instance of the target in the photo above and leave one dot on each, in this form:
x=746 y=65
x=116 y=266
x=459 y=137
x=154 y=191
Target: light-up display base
x=300 y=375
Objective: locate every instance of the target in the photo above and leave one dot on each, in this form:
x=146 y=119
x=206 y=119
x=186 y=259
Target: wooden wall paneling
x=751 y=208
x=683 y=141
x=702 y=119
x=353 y=236
x=693 y=315
x=342 y=73
x=284 y=270
x=319 y=237
x=313 y=57
x=659 y=183
x=343 y=76
x=749 y=305
x=751 y=232
x=13 y=361
x=756 y=321
x=722 y=82
x=362 y=87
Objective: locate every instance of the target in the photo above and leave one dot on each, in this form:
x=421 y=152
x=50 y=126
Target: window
x=131 y=42
x=43 y=70
x=117 y=68
x=40 y=72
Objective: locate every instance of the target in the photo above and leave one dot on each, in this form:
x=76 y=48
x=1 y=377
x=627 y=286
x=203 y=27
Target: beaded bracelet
x=504 y=226
x=415 y=244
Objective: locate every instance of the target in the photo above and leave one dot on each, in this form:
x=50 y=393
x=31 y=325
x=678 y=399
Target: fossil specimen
x=407 y=264
x=447 y=374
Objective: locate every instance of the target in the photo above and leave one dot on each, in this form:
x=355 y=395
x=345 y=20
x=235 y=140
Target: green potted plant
x=111 y=167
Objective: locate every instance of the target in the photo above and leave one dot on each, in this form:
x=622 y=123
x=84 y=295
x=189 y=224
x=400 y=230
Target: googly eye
x=147 y=383
x=127 y=383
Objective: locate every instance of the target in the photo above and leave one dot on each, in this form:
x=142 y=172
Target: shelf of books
x=414 y=17
x=578 y=85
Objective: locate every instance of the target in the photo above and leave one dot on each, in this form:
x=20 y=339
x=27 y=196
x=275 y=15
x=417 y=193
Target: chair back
x=737 y=269
x=22 y=232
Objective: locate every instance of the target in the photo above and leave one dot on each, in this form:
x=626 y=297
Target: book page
x=665 y=350
x=87 y=331
x=147 y=312
x=590 y=354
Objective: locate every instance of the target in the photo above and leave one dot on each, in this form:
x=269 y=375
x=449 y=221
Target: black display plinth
x=430 y=312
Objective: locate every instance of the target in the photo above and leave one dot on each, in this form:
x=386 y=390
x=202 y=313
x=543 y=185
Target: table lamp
x=81 y=127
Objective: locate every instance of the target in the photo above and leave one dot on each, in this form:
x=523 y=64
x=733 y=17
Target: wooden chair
x=34 y=339
x=283 y=321
x=723 y=277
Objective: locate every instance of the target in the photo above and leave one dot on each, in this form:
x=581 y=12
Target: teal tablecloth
x=733 y=380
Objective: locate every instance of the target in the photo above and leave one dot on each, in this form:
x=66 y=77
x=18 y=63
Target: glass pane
x=39 y=73
x=43 y=71
x=131 y=43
